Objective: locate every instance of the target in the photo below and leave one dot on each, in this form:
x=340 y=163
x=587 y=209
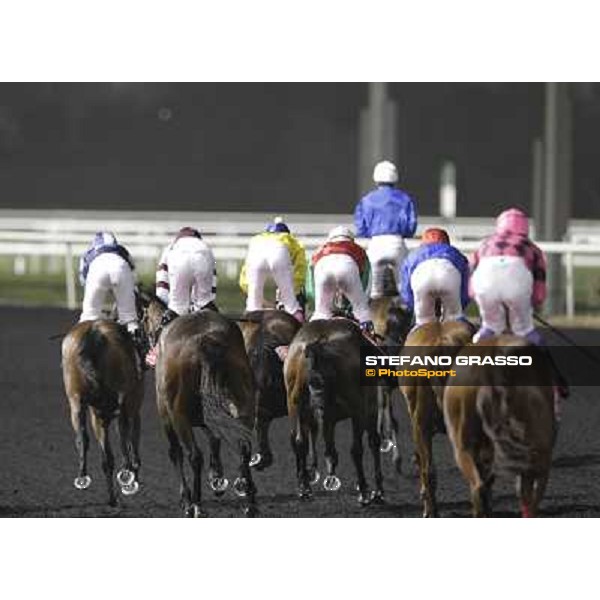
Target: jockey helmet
x=340 y=233
x=277 y=226
x=104 y=238
x=385 y=172
x=434 y=235
x=189 y=232
x=513 y=220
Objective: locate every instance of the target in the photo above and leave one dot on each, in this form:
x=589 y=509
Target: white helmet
x=340 y=233
x=385 y=172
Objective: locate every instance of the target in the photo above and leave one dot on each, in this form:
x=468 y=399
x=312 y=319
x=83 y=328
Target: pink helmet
x=513 y=220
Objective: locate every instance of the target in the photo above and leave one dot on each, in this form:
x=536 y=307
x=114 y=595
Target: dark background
x=273 y=147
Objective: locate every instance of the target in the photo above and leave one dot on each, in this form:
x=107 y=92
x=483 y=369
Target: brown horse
x=424 y=399
x=322 y=378
x=102 y=377
x=204 y=379
x=392 y=323
x=264 y=332
x=498 y=427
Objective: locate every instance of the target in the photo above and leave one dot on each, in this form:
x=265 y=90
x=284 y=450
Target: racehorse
x=203 y=379
x=498 y=426
x=265 y=331
x=424 y=398
x=392 y=323
x=102 y=377
x=322 y=379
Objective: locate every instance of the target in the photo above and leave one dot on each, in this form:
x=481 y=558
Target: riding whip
x=567 y=339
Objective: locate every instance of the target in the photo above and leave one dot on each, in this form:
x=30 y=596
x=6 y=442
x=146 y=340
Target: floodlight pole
x=557 y=192
x=377 y=133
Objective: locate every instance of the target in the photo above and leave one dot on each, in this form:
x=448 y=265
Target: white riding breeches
x=385 y=251
x=436 y=279
x=109 y=273
x=192 y=276
x=502 y=286
x=270 y=258
x=339 y=272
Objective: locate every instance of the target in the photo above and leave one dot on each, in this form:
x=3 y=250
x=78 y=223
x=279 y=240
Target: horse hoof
x=314 y=476
x=377 y=497
x=365 y=498
x=261 y=461
x=218 y=485
x=197 y=512
x=386 y=446
x=332 y=483
x=82 y=483
x=130 y=490
x=125 y=477
x=240 y=487
x=250 y=512
x=305 y=493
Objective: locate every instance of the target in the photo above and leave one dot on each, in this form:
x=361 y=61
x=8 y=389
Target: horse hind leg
x=263 y=458
x=185 y=436
x=332 y=482
x=101 y=429
x=530 y=490
x=216 y=479
x=356 y=451
x=176 y=458
x=244 y=484
x=374 y=445
x=82 y=442
x=127 y=475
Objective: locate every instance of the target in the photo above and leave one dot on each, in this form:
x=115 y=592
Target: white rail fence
x=66 y=234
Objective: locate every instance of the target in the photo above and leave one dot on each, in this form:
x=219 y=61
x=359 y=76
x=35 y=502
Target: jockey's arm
x=539 y=279
x=162 y=278
x=360 y=221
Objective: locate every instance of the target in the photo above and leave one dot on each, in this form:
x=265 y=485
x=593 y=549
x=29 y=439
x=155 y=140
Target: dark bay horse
x=322 y=378
x=498 y=427
x=424 y=399
x=204 y=379
x=264 y=332
x=103 y=378
x=392 y=323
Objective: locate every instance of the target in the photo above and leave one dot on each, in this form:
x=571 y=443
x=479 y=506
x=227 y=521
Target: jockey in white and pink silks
x=509 y=270
x=508 y=282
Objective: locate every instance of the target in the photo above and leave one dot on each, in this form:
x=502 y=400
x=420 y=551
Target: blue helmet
x=277 y=226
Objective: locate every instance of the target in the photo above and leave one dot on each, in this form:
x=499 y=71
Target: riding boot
x=562 y=386
x=463 y=319
x=140 y=343
x=211 y=306
x=483 y=334
x=368 y=330
x=152 y=355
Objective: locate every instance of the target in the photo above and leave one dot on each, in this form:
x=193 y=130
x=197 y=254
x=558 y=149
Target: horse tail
x=219 y=412
x=213 y=349
x=512 y=453
x=317 y=360
x=92 y=350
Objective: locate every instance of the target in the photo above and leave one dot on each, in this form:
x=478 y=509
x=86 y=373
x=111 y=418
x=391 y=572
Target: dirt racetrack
x=38 y=459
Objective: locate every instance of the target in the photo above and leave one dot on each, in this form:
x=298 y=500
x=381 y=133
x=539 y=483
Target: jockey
x=436 y=271
x=386 y=215
x=340 y=265
x=186 y=279
x=509 y=273
x=106 y=266
x=278 y=254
